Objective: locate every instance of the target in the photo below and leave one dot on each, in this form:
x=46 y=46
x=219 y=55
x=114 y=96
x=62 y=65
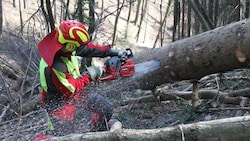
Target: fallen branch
x=229 y=108
x=234 y=97
x=233 y=129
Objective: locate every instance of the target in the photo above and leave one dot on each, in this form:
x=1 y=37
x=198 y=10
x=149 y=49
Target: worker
x=63 y=84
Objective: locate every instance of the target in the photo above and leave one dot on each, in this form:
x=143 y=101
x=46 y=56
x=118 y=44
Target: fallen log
x=219 y=50
x=233 y=129
x=234 y=97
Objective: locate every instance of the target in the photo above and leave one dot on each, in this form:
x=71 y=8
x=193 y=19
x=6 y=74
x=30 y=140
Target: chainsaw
x=116 y=67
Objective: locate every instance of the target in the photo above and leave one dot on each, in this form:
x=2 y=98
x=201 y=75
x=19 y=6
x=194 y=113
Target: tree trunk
x=143 y=11
x=1 y=18
x=247 y=3
x=50 y=15
x=219 y=50
x=161 y=29
x=116 y=22
x=21 y=17
x=201 y=14
x=91 y=28
x=46 y=16
x=234 y=8
x=176 y=19
x=137 y=12
x=233 y=129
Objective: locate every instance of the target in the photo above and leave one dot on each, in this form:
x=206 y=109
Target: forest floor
x=158 y=113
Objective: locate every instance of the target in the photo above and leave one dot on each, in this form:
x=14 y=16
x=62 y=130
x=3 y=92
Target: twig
x=4 y=112
x=174 y=123
x=182 y=133
x=6 y=87
x=229 y=108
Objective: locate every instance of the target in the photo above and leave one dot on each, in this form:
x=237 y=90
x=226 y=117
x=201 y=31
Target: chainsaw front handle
x=129 y=53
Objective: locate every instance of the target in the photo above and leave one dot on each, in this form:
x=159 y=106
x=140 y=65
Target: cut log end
x=240 y=55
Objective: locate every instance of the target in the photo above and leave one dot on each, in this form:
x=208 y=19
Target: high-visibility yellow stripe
x=72 y=67
x=62 y=78
x=62 y=40
x=42 y=66
x=74 y=60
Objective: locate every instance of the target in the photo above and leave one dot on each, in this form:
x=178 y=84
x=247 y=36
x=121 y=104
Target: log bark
x=219 y=50
x=233 y=129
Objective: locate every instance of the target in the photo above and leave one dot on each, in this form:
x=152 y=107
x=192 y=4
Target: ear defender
x=70 y=47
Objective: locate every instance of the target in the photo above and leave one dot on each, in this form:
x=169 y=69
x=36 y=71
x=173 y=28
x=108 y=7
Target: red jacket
x=60 y=80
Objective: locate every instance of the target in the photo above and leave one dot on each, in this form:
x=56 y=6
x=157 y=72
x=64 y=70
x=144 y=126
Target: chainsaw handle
x=129 y=52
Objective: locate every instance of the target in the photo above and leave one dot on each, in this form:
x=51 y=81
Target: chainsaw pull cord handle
x=129 y=53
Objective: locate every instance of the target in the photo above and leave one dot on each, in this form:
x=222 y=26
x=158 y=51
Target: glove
x=95 y=72
x=122 y=54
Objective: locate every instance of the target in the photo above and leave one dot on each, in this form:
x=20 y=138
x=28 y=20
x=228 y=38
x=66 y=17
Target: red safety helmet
x=70 y=33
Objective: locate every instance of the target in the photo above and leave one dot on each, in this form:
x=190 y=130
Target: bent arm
x=67 y=84
x=93 y=50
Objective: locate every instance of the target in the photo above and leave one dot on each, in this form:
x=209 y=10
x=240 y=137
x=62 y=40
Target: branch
x=234 y=97
x=232 y=129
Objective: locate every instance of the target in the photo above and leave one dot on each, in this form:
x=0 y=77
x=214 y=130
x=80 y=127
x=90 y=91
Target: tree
x=234 y=14
x=119 y=7
x=1 y=18
x=91 y=18
x=50 y=15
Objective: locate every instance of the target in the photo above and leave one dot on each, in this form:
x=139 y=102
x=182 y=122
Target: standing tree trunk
x=116 y=20
x=50 y=15
x=216 y=13
x=137 y=12
x=91 y=28
x=162 y=23
x=234 y=9
x=66 y=7
x=189 y=19
x=176 y=18
x=1 y=18
x=201 y=14
x=45 y=15
x=247 y=9
x=21 y=17
x=143 y=11
x=128 y=18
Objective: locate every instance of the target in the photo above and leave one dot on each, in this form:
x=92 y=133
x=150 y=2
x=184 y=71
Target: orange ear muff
x=70 y=47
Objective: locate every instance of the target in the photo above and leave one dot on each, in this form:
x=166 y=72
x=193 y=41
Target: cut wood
x=233 y=129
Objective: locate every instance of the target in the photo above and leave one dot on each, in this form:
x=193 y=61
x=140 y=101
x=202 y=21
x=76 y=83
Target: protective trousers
x=62 y=112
